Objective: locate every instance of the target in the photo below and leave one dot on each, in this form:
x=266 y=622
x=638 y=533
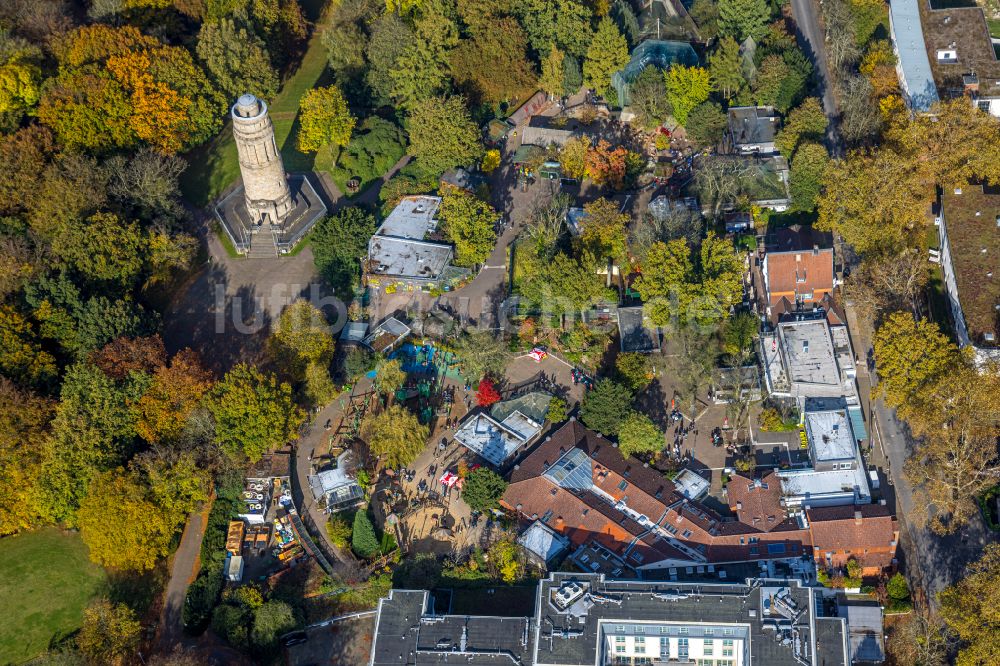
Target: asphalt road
x=811 y=38
x=933 y=562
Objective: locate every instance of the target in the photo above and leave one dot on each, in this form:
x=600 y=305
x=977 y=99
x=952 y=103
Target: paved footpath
x=182 y=572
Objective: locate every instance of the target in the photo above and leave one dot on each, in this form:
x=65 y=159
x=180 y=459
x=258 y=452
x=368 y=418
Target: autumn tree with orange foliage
x=124 y=355
x=606 y=165
x=176 y=391
x=118 y=88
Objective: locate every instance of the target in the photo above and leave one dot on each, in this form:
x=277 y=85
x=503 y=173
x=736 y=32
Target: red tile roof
x=586 y=514
x=798 y=253
x=756 y=502
x=855 y=528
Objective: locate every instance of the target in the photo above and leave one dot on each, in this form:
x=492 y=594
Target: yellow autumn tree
x=121 y=524
x=324 y=119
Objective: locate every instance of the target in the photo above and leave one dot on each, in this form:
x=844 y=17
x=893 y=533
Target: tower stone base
x=243 y=225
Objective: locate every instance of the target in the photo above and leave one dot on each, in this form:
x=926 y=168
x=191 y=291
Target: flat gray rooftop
x=399 y=257
x=412 y=218
x=679 y=604
x=753 y=124
x=405 y=636
x=493 y=440
x=635 y=335
x=776 y=616
x=808 y=350
x=830 y=435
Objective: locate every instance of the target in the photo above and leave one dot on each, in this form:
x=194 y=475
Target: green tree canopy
x=897 y=587
x=468 y=222
x=118 y=88
x=20 y=79
x=648 y=97
x=743 y=18
x=603 y=235
x=395 y=435
x=687 y=87
x=606 y=406
x=874 y=200
x=607 y=53
x=634 y=369
x=493 y=65
x=93 y=431
x=324 y=119
x=389 y=376
x=236 y=59
x=675 y=289
x=552 y=78
x=177 y=481
x=738 y=334
x=725 y=67
x=806 y=176
x=557 y=410
x=338 y=244
x=806 y=122
x=388 y=39
x=442 y=135
x=665 y=282
x=302 y=336
x=363 y=540
x=562 y=284
x=273 y=619
x=24 y=419
x=638 y=434
x=482 y=489
x=254 y=413
x=345 y=43
x=706 y=14
x=21 y=357
x=103 y=248
x=707 y=124
x=910 y=356
x=572 y=75
x=564 y=23
x=481 y=354
x=421 y=68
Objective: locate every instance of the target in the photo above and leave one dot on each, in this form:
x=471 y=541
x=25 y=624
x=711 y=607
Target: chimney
x=559 y=521
x=857 y=518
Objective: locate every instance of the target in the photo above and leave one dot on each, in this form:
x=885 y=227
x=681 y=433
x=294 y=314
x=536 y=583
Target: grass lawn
x=47 y=581
x=213 y=165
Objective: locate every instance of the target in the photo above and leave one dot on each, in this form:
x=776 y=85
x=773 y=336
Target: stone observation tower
x=268 y=198
x=271 y=211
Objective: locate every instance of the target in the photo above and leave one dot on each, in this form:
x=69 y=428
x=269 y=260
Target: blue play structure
x=425 y=361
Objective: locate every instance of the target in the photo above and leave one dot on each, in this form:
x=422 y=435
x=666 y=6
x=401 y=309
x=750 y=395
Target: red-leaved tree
x=487 y=394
